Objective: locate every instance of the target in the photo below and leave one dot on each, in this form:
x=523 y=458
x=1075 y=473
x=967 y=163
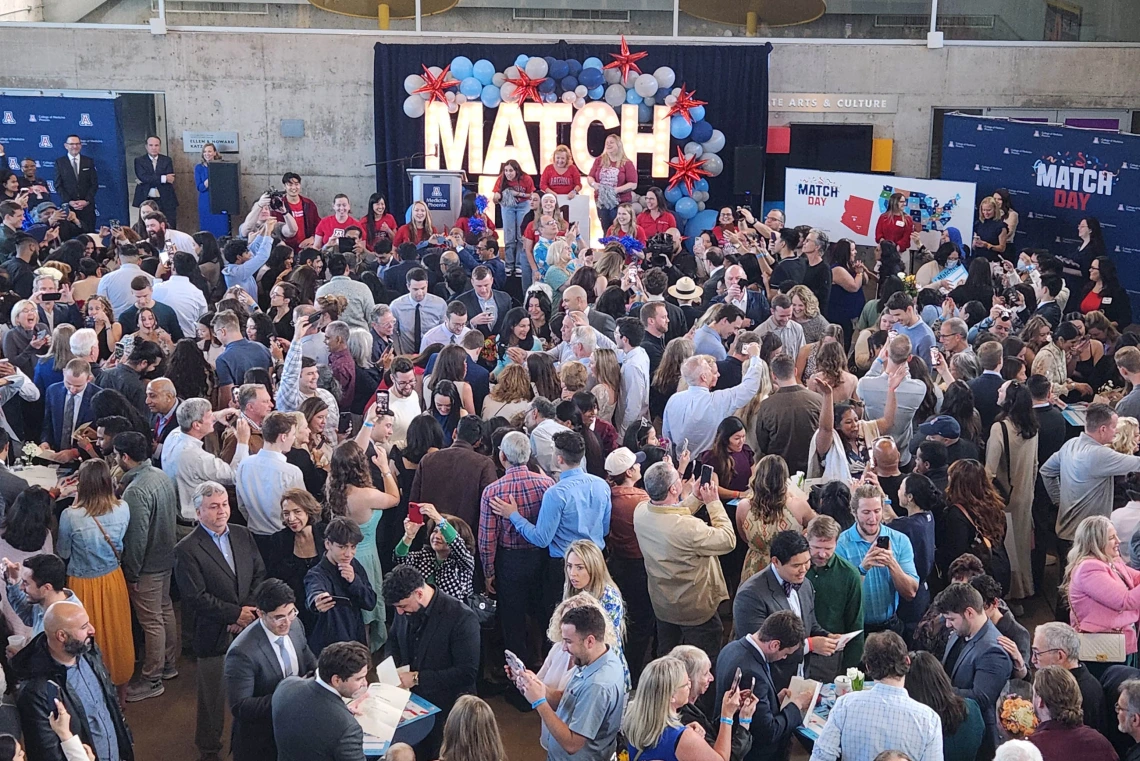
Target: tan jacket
x=685 y=581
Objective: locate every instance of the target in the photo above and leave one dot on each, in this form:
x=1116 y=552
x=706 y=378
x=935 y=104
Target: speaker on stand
x=748 y=173
x=225 y=195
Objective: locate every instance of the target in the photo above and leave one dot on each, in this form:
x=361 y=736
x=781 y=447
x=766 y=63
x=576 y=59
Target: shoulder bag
x=1100 y=647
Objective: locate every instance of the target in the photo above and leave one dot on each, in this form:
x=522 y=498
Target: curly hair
x=831 y=362
x=804 y=294
x=769 y=488
x=348 y=467
x=970 y=487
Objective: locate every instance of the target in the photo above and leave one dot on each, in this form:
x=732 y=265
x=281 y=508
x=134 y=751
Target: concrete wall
x=249 y=82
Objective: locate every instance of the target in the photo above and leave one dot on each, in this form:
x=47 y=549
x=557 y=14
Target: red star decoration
x=688 y=170
x=436 y=85
x=526 y=88
x=685 y=101
x=625 y=60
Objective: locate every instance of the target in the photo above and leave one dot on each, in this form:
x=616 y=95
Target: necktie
x=417 y=329
x=68 y=422
x=789 y=587
x=75 y=165
x=285 y=659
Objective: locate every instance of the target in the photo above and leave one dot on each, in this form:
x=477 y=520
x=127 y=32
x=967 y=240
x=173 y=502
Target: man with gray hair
x=511 y=564
x=189 y=465
x=872 y=389
x=681 y=552
x=218 y=568
x=254 y=404
x=582 y=343
x=693 y=414
x=84 y=345
x=542 y=420
x=1058 y=644
x=564 y=351
x=1128 y=716
x=817 y=272
x=1016 y=750
x=300 y=373
x=382 y=325
x=341 y=363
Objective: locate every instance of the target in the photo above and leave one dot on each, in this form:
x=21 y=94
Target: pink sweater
x=1103 y=602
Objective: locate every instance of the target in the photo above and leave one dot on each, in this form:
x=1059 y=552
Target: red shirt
x=521 y=186
x=895 y=229
x=298 y=212
x=329 y=228
x=617 y=233
x=1091 y=302
x=719 y=231
x=377 y=224
x=461 y=223
x=560 y=184
x=650 y=226
x=406 y=235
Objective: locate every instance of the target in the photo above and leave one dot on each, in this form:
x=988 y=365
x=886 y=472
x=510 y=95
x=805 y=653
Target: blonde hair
x=617 y=229
x=610 y=263
x=650 y=711
x=1089 y=542
x=427 y=225
x=513 y=385
x=695 y=660
x=580 y=600
x=600 y=578
x=566 y=150
x=751 y=408
x=558 y=254
x=607 y=370
x=471 y=733
x=1126 y=430
x=621 y=159
x=573 y=376
x=811 y=303
x=987 y=201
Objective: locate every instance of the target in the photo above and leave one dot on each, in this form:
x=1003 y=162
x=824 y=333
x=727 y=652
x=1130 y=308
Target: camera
x=658 y=249
x=277 y=201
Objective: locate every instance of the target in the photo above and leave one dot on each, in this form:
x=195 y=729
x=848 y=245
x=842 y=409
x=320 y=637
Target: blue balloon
x=701 y=186
x=568 y=83
x=549 y=97
x=674 y=194
x=471 y=87
x=491 y=97
x=686 y=208
x=558 y=70
x=662 y=93
x=697 y=113
x=592 y=63
x=546 y=85
x=644 y=114
x=575 y=67
x=521 y=60
x=684 y=190
x=701 y=131
x=592 y=78
x=461 y=67
x=408 y=216
x=597 y=92
x=631 y=97
x=484 y=71
x=679 y=128
x=704 y=220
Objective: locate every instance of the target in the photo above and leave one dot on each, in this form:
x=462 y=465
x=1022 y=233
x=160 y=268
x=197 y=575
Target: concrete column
x=750 y=24
x=384 y=16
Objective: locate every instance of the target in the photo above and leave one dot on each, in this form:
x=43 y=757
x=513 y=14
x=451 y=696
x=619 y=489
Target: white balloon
x=581 y=91
x=498 y=78
x=460 y=98
x=508 y=92
x=569 y=97
x=714 y=144
x=638 y=208
x=675 y=91
x=665 y=76
x=700 y=205
x=670 y=100
x=414 y=106
x=452 y=107
x=450 y=96
x=580 y=103
x=713 y=164
x=612 y=76
x=693 y=148
x=646 y=86
x=536 y=68
x=629 y=79
x=435 y=71
x=412 y=83
x=512 y=72
x=615 y=95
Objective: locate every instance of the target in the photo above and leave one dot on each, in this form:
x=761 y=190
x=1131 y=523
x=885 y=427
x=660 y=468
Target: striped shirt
x=528 y=489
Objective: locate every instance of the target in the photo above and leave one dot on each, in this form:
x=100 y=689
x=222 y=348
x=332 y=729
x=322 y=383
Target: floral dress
x=615 y=609
x=758 y=536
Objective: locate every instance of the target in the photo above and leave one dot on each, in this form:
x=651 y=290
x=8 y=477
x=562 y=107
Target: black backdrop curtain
x=733 y=79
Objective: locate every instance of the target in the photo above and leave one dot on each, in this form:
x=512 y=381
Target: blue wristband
x=727 y=721
x=537 y=703
x=746 y=722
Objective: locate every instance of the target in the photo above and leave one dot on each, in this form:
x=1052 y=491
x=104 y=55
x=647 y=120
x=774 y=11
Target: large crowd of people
x=658 y=480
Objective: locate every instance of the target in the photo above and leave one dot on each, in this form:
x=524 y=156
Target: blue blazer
x=53 y=411
x=981 y=671
x=985 y=389
x=758 y=308
x=148 y=179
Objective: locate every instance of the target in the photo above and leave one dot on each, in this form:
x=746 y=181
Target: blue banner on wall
x=37 y=126
x=1056 y=176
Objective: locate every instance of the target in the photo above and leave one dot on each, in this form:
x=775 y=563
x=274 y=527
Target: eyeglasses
x=1034 y=653
x=282 y=619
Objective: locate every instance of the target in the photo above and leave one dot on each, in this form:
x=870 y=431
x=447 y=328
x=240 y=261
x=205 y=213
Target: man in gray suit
x=977 y=664
x=264 y=654
x=310 y=720
x=783 y=585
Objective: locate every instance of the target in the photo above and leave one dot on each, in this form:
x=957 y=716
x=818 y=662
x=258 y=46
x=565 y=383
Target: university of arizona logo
x=45 y=141
x=13 y=163
x=85 y=120
x=31 y=117
x=51 y=186
x=9 y=118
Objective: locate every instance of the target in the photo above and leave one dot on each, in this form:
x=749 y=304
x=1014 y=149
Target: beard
x=75 y=646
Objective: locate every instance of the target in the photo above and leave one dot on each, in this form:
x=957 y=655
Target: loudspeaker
x=224 y=193
x=748 y=170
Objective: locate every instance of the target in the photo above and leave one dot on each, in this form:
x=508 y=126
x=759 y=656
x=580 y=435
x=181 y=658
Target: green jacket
x=148 y=546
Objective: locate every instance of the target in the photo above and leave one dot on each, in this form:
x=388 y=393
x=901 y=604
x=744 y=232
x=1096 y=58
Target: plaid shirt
x=494 y=532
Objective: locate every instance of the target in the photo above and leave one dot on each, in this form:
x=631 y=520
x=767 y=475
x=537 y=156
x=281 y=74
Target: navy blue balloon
x=663 y=92
x=702 y=131
x=559 y=69
x=592 y=78
x=575 y=67
x=547 y=85
x=569 y=83
x=549 y=61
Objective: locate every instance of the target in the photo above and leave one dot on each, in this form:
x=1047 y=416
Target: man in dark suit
x=754 y=304
x=783 y=585
x=486 y=307
x=781 y=635
x=730 y=370
x=978 y=666
x=162 y=402
x=155 y=175
x=60 y=311
x=395 y=277
x=76 y=181
x=1052 y=432
x=218 y=567
x=574 y=300
x=264 y=654
x=11 y=485
x=986 y=386
x=311 y=721
x=437 y=637
x=68 y=405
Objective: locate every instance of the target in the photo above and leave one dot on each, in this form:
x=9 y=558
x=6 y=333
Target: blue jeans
x=606 y=217
x=512 y=232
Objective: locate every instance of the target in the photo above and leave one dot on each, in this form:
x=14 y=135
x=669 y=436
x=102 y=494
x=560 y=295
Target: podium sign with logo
x=442 y=191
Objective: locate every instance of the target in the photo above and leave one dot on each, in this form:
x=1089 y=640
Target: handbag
x=118 y=555
x=484 y=607
x=1100 y=647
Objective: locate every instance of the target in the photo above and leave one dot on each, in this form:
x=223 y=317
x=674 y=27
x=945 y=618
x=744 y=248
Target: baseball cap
x=42 y=207
x=943 y=425
x=621 y=459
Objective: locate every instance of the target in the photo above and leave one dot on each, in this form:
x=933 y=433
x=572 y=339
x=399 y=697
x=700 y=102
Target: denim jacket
x=83 y=545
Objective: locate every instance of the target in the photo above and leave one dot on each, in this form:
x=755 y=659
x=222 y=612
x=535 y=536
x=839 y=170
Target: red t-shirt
x=616 y=233
x=521 y=186
x=406 y=235
x=895 y=229
x=378 y=224
x=650 y=226
x=461 y=223
x=329 y=228
x=298 y=212
x=560 y=184
x=719 y=231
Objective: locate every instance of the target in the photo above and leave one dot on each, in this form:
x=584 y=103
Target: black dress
x=281 y=563
x=314 y=477
x=284 y=326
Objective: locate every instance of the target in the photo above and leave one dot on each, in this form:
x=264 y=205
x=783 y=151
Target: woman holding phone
x=447 y=558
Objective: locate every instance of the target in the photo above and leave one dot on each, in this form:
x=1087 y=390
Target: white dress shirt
x=634 y=389
x=189 y=465
x=542 y=444
x=116 y=286
x=186 y=299
x=181 y=242
x=260 y=481
x=293 y=669
x=441 y=335
x=695 y=413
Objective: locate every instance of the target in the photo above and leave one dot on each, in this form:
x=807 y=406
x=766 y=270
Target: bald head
x=62 y=616
x=67 y=629
x=886 y=454
x=161 y=396
x=574 y=299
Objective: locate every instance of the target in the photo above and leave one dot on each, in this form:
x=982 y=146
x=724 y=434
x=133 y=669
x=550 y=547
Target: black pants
x=520 y=595
x=1062 y=608
x=554 y=583
x=640 y=622
x=1044 y=534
